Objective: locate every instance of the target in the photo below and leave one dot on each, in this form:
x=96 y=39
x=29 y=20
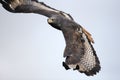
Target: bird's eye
x=52 y=19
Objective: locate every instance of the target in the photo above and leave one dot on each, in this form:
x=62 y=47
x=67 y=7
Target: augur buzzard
x=79 y=52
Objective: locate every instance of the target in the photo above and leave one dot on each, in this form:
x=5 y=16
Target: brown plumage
x=79 y=52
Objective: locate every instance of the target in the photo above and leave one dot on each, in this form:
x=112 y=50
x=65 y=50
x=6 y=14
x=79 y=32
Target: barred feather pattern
x=85 y=61
x=88 y=60
x=89 y=63
x=80 y=54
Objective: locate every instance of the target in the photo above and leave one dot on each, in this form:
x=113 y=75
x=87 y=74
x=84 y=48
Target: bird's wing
x=79 y=52
x=89 y=36
x=32 y=6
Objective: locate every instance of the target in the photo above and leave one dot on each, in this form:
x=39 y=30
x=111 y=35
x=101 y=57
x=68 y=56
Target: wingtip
x=65 y=66
x=92 y=72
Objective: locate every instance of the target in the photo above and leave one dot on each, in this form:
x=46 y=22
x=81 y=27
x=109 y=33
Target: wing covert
x=32 y=6
x=79 y=52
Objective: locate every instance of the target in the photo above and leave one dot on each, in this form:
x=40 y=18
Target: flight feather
x=79 y=52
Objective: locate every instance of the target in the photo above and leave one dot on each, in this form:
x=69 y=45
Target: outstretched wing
x=79 y=52
x=32 y=6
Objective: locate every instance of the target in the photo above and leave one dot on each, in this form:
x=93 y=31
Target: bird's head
x=55 y=21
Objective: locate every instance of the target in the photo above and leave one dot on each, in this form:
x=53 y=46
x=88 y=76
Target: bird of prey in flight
x=79 y=53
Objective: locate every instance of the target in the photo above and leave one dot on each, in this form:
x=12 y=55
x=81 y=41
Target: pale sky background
x=30 y=49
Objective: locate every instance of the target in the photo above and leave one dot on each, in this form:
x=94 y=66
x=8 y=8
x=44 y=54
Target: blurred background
x=30 y=49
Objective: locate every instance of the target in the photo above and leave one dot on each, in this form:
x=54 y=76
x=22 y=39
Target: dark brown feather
x=79 y=52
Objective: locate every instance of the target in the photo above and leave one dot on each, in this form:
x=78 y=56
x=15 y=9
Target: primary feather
x=79 y=52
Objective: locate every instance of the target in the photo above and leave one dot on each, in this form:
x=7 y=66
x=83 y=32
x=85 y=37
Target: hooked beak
x=49 y=20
